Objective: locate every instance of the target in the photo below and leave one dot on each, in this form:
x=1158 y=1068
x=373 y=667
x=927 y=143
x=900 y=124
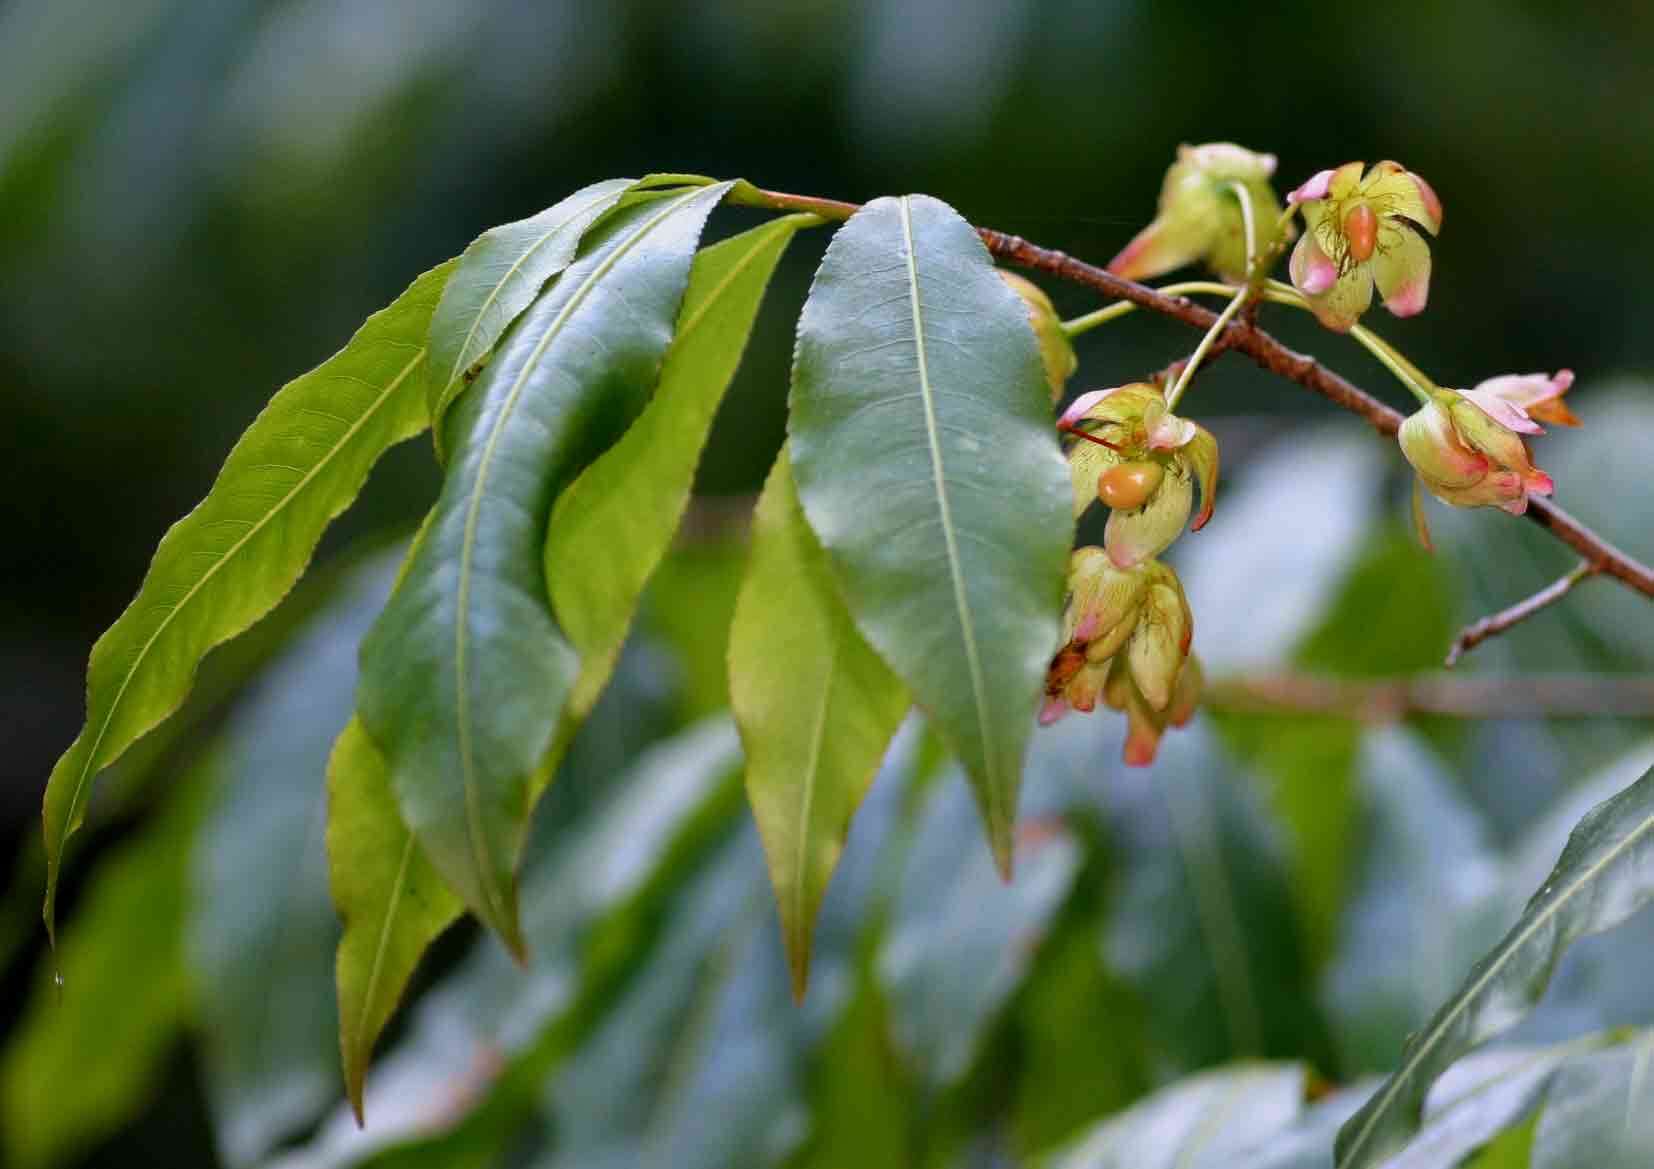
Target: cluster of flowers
x=1127 y=628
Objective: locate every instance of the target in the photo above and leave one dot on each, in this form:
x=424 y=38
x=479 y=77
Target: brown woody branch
x=1473 y=635
x=1245 y=337
x=1454 y=696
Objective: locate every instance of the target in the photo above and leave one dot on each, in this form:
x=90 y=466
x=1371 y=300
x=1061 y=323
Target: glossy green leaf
x=960 y=939
x=88 y=1055
x=815 y=705
x=1599 y=1112
x=263 y=949
x=392 y=902
x=1604 y=875
x=610 y=529
x=228 y=562
x=928 y=466
x=1204 y=1122
x=498 y=277
x=466 y=673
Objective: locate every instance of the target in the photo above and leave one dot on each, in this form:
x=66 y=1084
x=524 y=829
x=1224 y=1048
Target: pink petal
x=1078 y=408
x=1503 y=411
x=1529 y=389
x=1055 y=707
x=1314 y=187
x=1401 y=270
x=1312 y=269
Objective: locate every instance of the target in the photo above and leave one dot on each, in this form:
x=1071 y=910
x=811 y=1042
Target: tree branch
x=1245 y=337
x=1473 y=635
x=1388 y=700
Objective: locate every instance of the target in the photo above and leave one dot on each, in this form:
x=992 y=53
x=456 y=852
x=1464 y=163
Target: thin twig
x=1473 y=635
x=1454 y=696
x=1267 y=352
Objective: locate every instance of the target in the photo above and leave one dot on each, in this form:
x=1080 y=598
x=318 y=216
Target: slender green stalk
x=1252 y=286
x=1110 y=312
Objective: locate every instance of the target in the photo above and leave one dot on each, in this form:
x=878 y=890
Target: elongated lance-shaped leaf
x=815 y=705
x=228 y=562
x=1604 y=875
x=611 y=528
x=466 y=673
x=393 y=903
x=927 y=464
x=498 y=277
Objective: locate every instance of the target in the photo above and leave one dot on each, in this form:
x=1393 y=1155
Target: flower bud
x=1056 y=351
x=1468 y=458
x=1200 y=217
x=1127 y=633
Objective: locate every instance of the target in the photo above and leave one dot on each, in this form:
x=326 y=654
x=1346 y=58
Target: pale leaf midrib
x=371 y=986
x=468 y=541
x=812 y=771
x=87 y=767
x=938 y=475
x=1427 y=1043
x=460 y=361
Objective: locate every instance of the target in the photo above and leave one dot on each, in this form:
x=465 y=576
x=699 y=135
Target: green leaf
x=392 y=902
x=1600 y=1111
x=263 y=948
x=1604 y=875
x=815 y=705
x=466 y=673
x=1204 y=1122
x=89 y=1054
x=498 y=277
x=928 y=466
x=612 y=526
x=961 y=940
x=228 y=562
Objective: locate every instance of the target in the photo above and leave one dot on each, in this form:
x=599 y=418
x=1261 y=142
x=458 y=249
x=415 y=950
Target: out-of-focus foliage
x=1206 y=964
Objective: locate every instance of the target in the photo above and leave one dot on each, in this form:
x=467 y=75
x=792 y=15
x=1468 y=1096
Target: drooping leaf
x=1600 y=1111
x=1604 y=875
x=465 y=674
x=960 y=939
x=88 y=1054
x=1203 y=1122
x=610 y=529
x=861 y=1104
x=815 y=705
x=1427 y=902
x=392 y=902
x=263 y=948
x=228 y=562
x=498 y=277
x=928 y=466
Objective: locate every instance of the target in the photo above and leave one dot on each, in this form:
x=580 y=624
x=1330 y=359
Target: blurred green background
x=200 y=199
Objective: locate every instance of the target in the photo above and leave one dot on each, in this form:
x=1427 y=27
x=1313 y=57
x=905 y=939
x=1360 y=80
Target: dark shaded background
x=201 y=198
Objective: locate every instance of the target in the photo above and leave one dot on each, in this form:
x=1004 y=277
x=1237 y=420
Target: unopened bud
x=1056 y=351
